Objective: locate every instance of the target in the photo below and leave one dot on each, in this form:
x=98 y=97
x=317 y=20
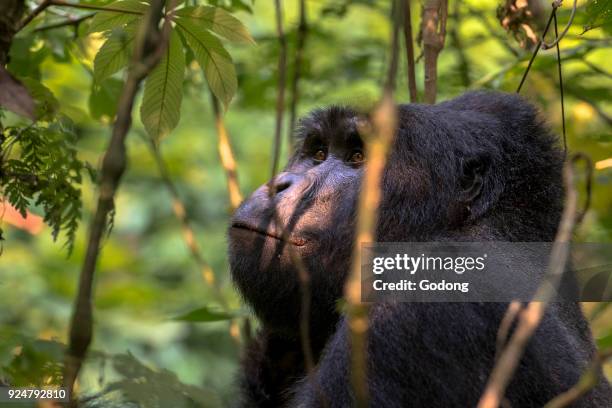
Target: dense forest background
x=157 y=317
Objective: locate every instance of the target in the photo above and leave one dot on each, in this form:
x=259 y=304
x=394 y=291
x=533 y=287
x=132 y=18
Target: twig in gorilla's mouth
x=248 y=227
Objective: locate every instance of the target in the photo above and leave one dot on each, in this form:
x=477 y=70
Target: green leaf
x=605 y=342
x=599 y=14
x=234 y=5
x=138 y=385
x=208 y=314
x=218 y=21
x=114 y=53
x=46 y=103
x=161 y=104
x=103 y=98
x=131 y=10
x=213 y=58
x=45 y=173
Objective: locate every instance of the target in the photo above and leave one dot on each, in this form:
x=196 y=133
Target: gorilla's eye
x=320 y=155
x=356 y=157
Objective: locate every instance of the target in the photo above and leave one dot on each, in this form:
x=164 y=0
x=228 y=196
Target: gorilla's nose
x=284 y=181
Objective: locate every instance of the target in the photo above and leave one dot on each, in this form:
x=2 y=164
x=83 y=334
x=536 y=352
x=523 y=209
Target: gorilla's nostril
x=282 y=186
x=283 y=181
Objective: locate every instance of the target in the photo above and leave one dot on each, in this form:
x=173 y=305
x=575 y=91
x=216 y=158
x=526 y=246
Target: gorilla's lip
x=278 y=236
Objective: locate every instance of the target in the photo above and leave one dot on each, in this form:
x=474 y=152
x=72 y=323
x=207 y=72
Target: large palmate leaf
x=163 y=92
x=121 y=13
x=114 y=53
x=217 y=20
x=212 y=57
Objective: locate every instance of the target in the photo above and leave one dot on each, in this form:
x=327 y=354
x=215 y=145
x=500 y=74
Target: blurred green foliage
x=146 y=276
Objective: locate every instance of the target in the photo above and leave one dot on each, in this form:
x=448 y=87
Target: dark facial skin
x=315 y=195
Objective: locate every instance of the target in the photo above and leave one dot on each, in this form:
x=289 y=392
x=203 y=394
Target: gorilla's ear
x=473 y=172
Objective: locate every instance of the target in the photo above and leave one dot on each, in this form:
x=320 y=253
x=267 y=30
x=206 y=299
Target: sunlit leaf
x=213 y=58
x=114 y=53
x=131 y=10
x=219 y=21
x=161 y=104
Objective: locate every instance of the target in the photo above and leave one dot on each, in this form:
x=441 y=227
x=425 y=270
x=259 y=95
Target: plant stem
x=148 y=51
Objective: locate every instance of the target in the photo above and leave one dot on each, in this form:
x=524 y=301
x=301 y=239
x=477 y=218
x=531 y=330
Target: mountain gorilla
x=481 y=167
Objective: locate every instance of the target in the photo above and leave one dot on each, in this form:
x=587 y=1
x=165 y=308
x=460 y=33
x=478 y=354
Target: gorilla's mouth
x=273 y=234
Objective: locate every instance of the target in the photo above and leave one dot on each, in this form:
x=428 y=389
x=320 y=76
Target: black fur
x=481 y=167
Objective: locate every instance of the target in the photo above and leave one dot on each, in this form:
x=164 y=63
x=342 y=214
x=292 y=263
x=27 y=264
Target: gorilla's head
x=480 y=167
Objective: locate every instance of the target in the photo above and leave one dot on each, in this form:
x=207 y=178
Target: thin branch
x=605 y=41
x=302 y=33
x=434 y=31
x=455 y=38
x=280 y=95
x=378 y=136
x=188 y=233
x=586 y=383
x=412 y=87
x=179 y=209
x=39 y=9
x=396 y=20
x=86 y=6
x=303 y=274
x=66 y=23
x=506 y=324
x=296 y=260
x=150 y=44
x=558 y=37
x=531 y=316
x=596 y=69
x=534 y=54
x=61 y=3
x=227 y=156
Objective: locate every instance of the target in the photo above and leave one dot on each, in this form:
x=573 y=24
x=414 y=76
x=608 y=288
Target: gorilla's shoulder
x=506 y=106
x=485 y=100
x=507 y=118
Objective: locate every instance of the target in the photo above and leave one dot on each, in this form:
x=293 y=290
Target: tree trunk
x=434 y=30
x=11 y=12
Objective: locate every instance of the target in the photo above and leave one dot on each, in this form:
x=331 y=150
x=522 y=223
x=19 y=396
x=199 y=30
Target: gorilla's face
x=315 y=204
x=430 y=179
